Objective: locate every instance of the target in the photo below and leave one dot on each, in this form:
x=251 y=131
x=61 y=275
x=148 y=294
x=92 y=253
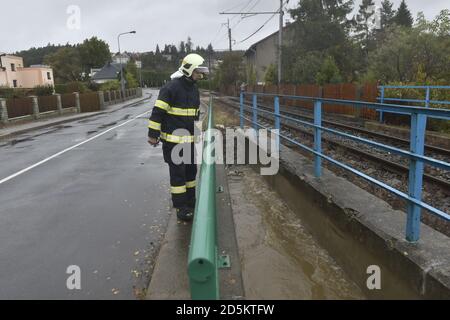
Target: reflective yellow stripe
x=182 y=112
x=154 y=125
x=176 y=139
x=191 y=184
x=178 y=190
x=162 y=105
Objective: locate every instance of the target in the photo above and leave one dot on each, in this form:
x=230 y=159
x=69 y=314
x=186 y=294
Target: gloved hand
x=153 y=141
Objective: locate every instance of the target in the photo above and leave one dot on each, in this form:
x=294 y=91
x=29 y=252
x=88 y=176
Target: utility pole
x=280 y=42
x=229 y=35
x=280 y=32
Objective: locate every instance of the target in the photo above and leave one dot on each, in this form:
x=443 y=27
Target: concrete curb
x=63 y=121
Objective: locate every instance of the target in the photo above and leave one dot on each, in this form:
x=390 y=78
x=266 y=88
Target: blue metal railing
x=427 y=102
x=416 y=154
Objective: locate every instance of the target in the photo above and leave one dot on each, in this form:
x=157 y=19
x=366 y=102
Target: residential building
x=110 y=72
x=14 y=75
x=121 y=58
x=265 y=52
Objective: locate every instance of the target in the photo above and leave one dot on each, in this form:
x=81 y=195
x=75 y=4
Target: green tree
x=182 y=48
x=322 y=27
x=271 y=76
x=131 y=68
x=403 y=16
x=94 y=53
x=305 y=68
x=189 y=45
x=251 y=75
x=230 y=70
x=66 y=64
x=329 y=72
x=365 y=19
x=419 y=54
x=387 y=14
x=131 y=81
x=37 y=55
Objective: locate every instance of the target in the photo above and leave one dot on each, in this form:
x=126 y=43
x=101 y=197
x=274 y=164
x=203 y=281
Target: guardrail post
x=381 y=101
x=427 y=98
x=317 y=138
x=241 y=110
x=101 y=99
x=418 y=126
x=35 y=103
x=77 y=102
x=58 y=103
x=255 y=113
x=3 y=111
x=277 y=121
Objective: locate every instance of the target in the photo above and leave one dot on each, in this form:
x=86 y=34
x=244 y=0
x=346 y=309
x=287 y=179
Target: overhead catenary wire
x=257 y=30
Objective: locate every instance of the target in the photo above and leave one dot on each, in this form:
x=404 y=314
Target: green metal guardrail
x=204 y=261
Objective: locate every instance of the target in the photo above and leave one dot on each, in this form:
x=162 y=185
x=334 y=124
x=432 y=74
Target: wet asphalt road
x=102 y=206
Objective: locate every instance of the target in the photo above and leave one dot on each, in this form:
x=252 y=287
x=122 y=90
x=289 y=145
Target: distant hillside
x=36 y=55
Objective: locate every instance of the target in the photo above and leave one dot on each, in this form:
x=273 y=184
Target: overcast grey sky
x=34 y=23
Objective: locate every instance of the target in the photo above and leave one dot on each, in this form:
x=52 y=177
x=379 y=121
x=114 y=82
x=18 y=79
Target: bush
x=61 y=88
x=76 y=86
x=47 y=90
x=93 y=86
x=6 y=92
x=110 y=85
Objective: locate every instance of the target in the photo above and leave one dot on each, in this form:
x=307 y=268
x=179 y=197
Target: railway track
x=387 y=163
x=395 y=140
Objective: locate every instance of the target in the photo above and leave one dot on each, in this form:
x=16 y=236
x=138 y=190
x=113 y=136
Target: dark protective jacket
x=177 y=107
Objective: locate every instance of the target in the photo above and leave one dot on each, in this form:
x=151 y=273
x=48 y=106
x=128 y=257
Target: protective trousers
x=182 y=178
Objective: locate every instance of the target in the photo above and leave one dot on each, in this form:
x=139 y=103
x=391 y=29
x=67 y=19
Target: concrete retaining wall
x=360 y=230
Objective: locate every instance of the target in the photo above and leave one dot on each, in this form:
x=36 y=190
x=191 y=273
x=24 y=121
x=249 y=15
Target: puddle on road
x=16 y=141
x=280 y=258
x=108 y=125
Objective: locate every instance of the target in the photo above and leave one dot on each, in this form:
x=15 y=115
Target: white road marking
x=67 y=150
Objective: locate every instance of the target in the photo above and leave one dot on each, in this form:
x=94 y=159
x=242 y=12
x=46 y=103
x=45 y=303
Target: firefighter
x=177 y=107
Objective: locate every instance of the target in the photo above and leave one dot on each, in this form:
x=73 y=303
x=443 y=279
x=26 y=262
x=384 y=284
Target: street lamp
x=122 y=83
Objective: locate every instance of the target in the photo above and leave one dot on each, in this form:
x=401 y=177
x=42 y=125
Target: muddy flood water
x=280 y=259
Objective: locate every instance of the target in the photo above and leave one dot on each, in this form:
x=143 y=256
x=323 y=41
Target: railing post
x=427 y=98
x=255 y=113
x=381 y=101
x=417 y=142
x=108 y=94
x=77 y=102
x=35 y=103
x=3 y=111
x=241 y=110
x=58 y=103
x=277 y=121
x=101 y=100
x=317 y=138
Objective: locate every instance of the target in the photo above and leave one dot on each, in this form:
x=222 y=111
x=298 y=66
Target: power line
x=243 y=17
x=267 y=21
x=280 y=33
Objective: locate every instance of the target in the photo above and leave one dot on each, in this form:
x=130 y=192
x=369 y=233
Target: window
x=13 y=67
x=49 y=76
x=15 y=83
